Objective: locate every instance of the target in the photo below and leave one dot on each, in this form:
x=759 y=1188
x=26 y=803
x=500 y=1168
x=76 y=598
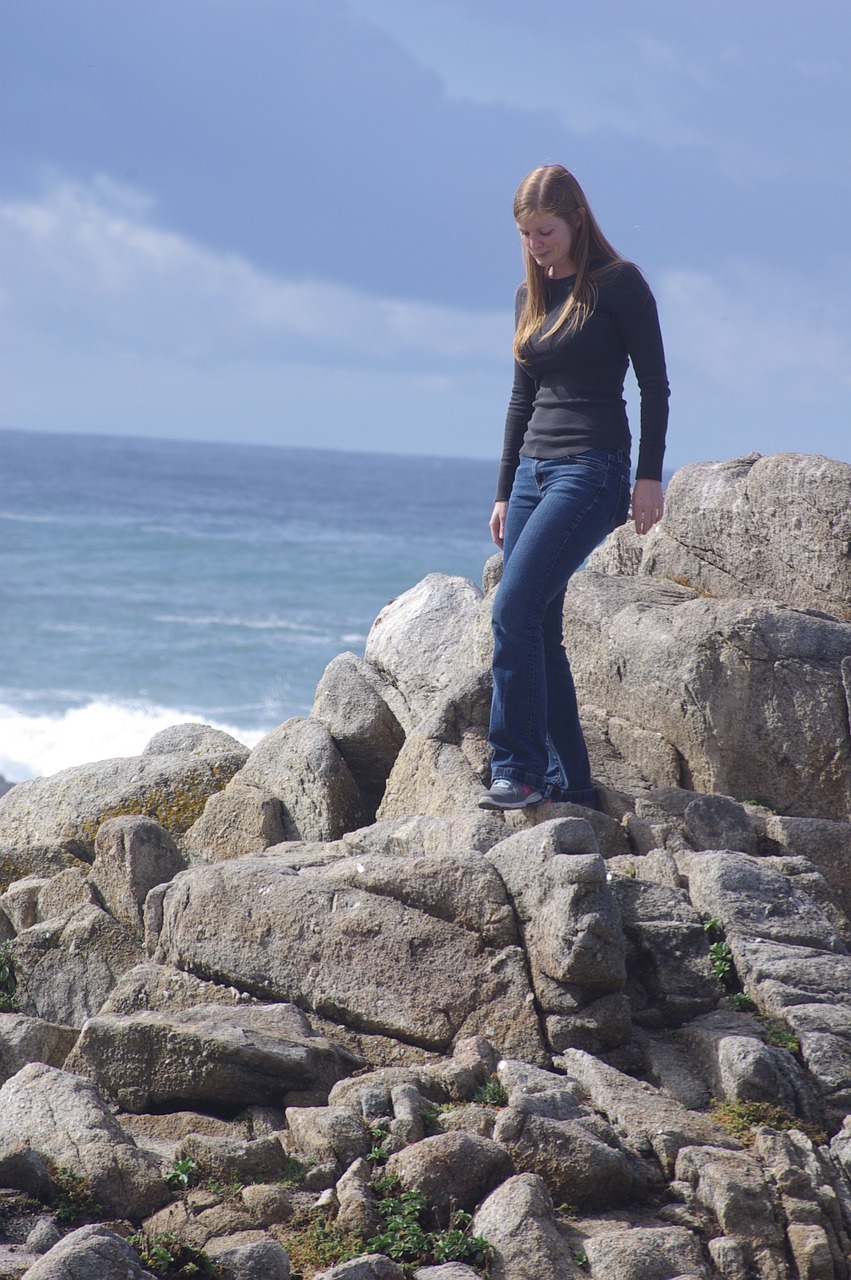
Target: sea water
x=144 y=583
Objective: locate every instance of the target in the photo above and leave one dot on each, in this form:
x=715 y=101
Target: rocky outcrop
x=619 y=1039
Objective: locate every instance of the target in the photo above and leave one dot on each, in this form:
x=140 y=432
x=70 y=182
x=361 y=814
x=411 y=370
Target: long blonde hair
x=552 y=190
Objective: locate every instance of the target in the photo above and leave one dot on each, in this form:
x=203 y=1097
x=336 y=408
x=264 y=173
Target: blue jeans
x=559 y=511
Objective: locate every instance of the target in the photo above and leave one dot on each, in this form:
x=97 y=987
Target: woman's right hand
x=497 y=523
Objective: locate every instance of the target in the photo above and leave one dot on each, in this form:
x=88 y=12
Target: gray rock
x=194 y=739
x=90 y=1253
x=452 y=1170
x=20 y=901
x=236 y=822
x=414 y=640
x=731 y=1187
x=719 y=822
x=62 y=814
x=517 y=1221
x=422 y=834
x=211 y=1054
x=667 y=957
x=434 y=777
x=65 y=893
x=327 y=1134
x=164 y=989
x=255 y=1260
x=765 y=714
x=576 y=1163
x=369 y=1266
x=65 y=1122
x=43 y=1236
x=132 y=855
x=24 y=1040
x=375 y=964
x=827 y=845
x=447 y=1271
x=598 y=1027
x=805 y=1179
x=351 y=701
x=224 y=1159
x=299 y=764
x=356 y=1201
x=775 y=526
x=268 y=1203
x=648 y=1253
x=67 y=967
x=647 y=1118
x=459 y=888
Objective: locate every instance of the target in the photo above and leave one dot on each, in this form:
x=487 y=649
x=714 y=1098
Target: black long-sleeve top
x=568 y=393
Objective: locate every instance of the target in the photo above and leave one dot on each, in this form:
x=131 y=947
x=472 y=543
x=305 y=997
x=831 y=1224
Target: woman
x=582 y=314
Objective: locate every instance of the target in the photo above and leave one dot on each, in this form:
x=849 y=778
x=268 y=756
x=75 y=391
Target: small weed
x=294 y=1171
x=713 y=928
x=692 y=586
x=781 y=1038
x=182 y=1175
x=164 y=1256
x=567 y=1210
x=314 y=1244
x=74 y=1199
x=629 y=869
x=491 y=1094
x=405 y=1239
x=429 y=1116
x=741 y=1003
x=8 y=981
x=741 y=1118
x=227 y=1190
x=379 y=1154
x=580 y=1257
x=721 y=961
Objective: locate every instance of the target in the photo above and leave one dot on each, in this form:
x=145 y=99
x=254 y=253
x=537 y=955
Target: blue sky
x=289 y=221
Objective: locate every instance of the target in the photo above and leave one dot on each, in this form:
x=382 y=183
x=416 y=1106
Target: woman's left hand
x=647 y=504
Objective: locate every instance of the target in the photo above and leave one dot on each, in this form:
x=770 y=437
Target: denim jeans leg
x=558 y=512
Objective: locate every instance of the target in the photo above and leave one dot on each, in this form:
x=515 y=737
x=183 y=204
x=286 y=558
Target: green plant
x=183 y=1174
x=226 y=1190
x=8 y=981
x=740 y=1118
x=314 y=1244
x=294 y=1171
x=580 y=1257
x=491 y=1094
x=781 y=1038
x=721 y=961
x=429 y=1116
x=741 y=1003
x=167 y=1258
x=405 y=1239
x=73 y=1195
x=379 y=1154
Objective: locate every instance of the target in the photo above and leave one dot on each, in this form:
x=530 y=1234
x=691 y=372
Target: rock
x=667 y=956
x=363 y=959
x=90 y=1253
x=570 y=922
x=65 y=893
x=517 y=1221
x=351 y=701
x=21 y=864
x=452 y=1170
x=131 y=856
x=421 y=834
x=238 y=821
x=268 y=1203
x=164 y=989
x=414 y=640
x=730 y=1186
x=200 y=1217
x=775 y=526
x=20 y=901
x=209 y=1054
x=576 y=1163
x=827 y=845
x=252 y=1260
x=325 y=1134
x=447 y=1271
x=818 y=1237
x=66 y=1123
x=44 y=1235
x=24 y=1040
x=224 y=1159
x=299 y=764
x=719 y=822
x=649 y=1253
x=369 y=1266
x=647 y=1118
x=60 y=815
x=356 y=1201
x=66 y=967
x=764 y=714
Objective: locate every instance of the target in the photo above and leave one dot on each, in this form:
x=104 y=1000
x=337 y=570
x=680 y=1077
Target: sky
x=289 y=221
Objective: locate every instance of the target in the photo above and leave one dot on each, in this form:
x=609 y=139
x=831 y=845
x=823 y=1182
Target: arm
x=638 y=322
x=648 y=504
x=497 y=523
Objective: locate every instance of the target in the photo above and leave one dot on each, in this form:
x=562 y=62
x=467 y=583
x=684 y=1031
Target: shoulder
x=621 y=284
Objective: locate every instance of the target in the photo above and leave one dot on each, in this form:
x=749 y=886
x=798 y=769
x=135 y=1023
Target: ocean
x=148 y=582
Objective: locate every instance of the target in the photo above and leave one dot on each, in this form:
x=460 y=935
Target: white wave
x=33 y=746
x=226 y=620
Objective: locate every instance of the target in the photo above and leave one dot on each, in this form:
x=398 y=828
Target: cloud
x=88 y=262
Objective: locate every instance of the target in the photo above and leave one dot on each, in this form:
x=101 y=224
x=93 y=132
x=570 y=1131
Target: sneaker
x=505 y=794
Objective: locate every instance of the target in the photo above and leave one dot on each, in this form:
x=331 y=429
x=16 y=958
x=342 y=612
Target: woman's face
x=549 y=240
